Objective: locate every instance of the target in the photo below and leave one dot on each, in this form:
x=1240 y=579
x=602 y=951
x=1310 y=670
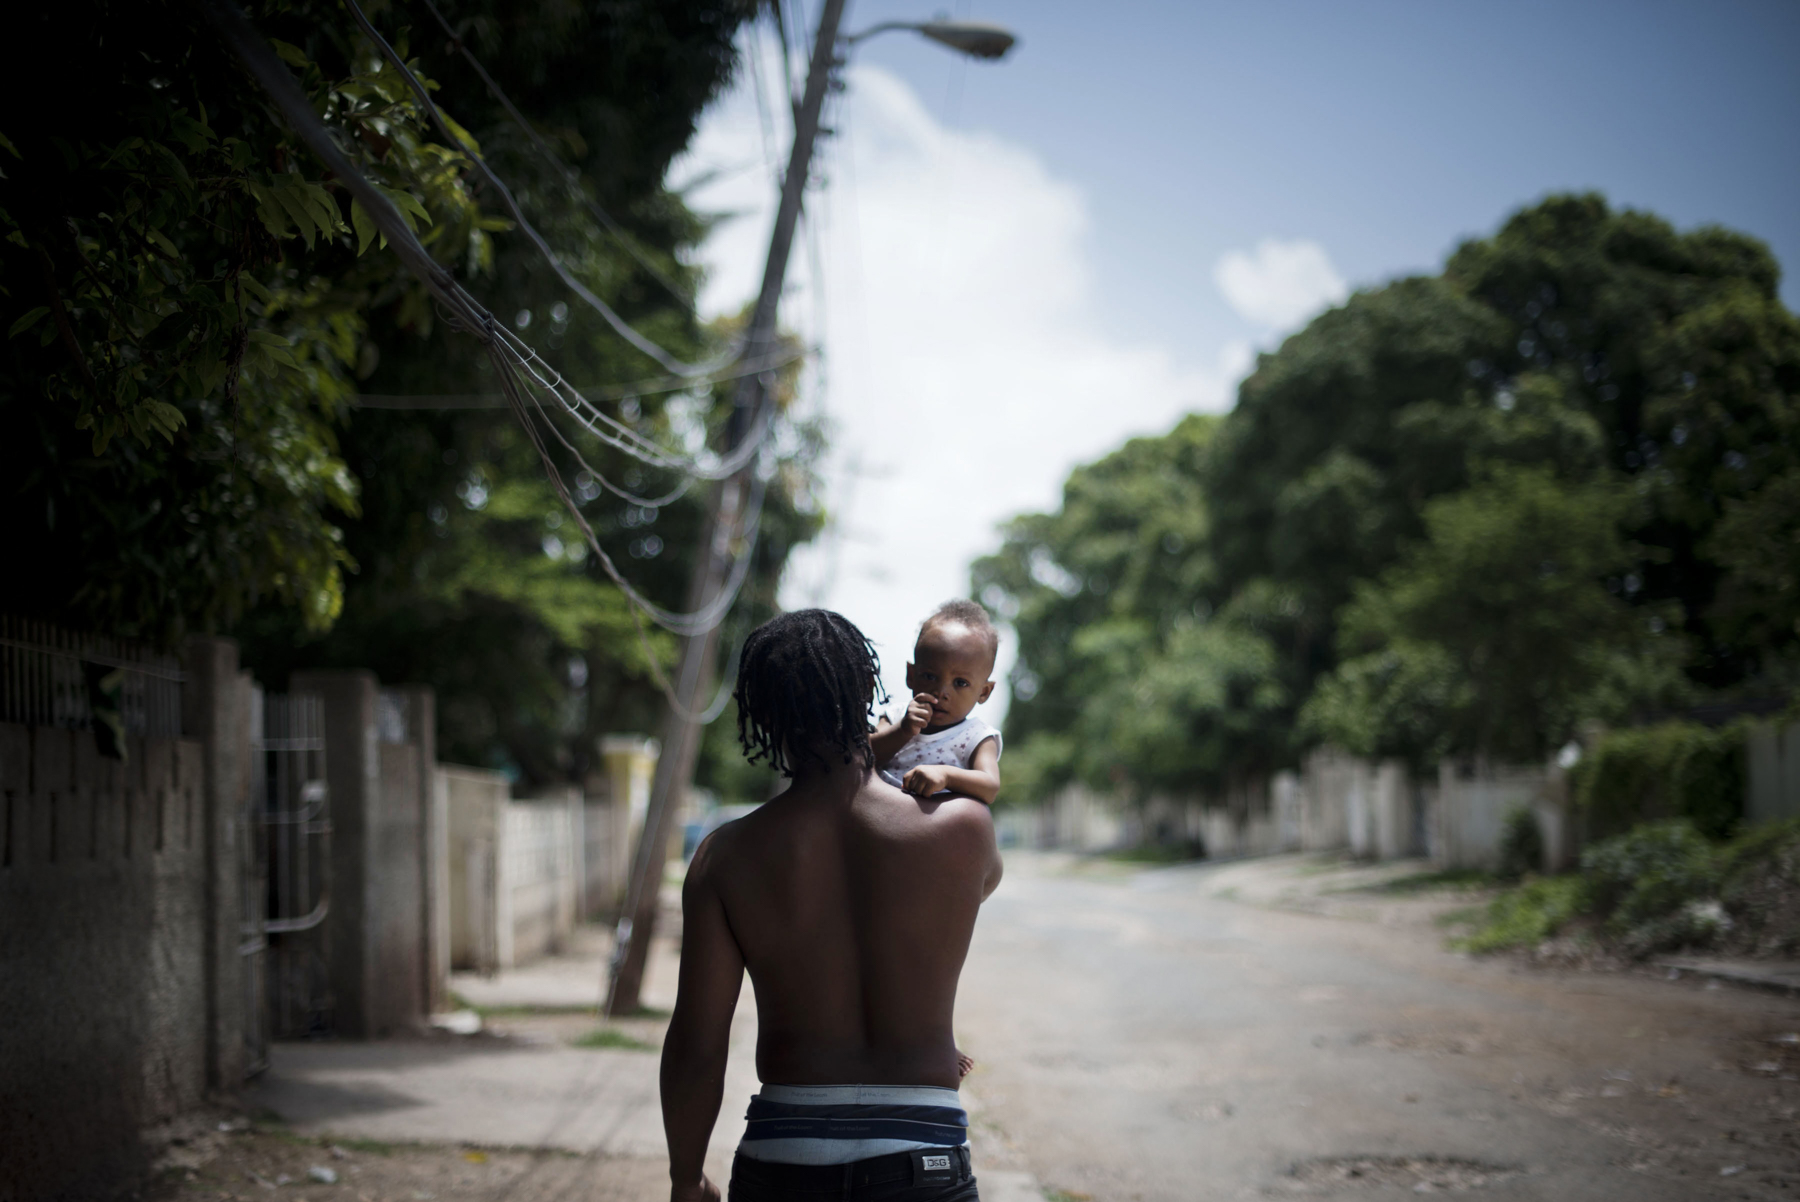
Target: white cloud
x=966 y=370
x=1279 y=284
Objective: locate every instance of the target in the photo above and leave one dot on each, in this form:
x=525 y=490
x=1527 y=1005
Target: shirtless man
x=851 y=904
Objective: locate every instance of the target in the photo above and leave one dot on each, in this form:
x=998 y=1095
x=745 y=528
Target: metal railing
x=290 y=817
x=50 y=676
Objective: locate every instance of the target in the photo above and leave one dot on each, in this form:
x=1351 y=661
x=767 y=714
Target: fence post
x=215 y=703
x=434 y=849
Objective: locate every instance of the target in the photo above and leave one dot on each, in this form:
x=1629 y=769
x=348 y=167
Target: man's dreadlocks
x=806 y=683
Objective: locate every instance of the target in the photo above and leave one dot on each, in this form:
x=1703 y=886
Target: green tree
x=1455 y=515
x=199 y=461
x=1678 y=345
x=1126 y=676
x=186 y=307
x=471 y=577
x=1496 y=632
x=1670 y=361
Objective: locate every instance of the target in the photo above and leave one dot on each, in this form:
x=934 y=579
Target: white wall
x=539 y=851
x=480 y=911
x=1473 y=805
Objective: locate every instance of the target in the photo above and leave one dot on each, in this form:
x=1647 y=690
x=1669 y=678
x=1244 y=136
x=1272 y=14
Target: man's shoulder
x=725 y=844
x=901 y=815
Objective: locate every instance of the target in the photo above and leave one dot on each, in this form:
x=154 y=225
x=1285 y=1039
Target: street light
x=977 y=39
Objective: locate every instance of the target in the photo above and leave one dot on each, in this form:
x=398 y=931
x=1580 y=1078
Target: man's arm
x=693 y=1060
x=980 y=780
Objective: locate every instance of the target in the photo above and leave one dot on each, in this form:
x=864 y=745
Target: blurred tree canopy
x=196 y=312
x=185 y=309
x=1457 y=515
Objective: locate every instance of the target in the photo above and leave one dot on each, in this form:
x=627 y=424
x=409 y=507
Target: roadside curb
x=1782 y=976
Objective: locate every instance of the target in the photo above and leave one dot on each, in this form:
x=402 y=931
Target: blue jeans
x=899 y=1177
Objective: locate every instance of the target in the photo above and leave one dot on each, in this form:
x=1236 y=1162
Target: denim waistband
x=815 y=1178
x=927 y=1126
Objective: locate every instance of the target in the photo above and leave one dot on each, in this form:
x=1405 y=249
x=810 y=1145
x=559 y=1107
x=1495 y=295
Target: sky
x=1010 y=268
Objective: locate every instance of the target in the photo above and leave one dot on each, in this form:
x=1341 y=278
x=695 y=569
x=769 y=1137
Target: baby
x=937 y=746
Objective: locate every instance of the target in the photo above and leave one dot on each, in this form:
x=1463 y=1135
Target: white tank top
x=954 y=746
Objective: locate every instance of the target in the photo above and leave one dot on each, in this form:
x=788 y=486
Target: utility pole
x=699 y=653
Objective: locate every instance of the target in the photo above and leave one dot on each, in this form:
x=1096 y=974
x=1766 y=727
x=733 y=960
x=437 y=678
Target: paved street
x=1228 y=1032
x=1268 y=1028
x=555 y=1114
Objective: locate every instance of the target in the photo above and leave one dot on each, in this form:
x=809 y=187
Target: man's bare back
x=851 y=904
x=853 y=907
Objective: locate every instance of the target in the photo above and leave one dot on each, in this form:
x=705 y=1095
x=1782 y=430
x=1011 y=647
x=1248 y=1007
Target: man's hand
x=918 y=713
x=926 y=780
x=703 y=1191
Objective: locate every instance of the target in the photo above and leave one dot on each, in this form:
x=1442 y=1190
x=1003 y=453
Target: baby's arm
x=980 y=780
x=890 y=737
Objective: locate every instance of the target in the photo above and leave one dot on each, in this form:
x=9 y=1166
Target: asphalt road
x=1196 y=1033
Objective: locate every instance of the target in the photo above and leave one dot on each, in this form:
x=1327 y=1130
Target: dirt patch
x=263 y=1163
x=1420 y=1174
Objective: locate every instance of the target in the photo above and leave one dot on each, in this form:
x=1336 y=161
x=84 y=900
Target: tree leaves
x=291 y=206
x=215 y=311
x=1457 y=515
x=30 y=318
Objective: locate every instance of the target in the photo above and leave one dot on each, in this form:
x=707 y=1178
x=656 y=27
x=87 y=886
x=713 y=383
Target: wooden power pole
x=699 y=653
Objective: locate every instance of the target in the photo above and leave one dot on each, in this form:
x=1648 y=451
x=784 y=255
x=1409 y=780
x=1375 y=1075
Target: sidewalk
x=527 y=1081
x=524 y=1081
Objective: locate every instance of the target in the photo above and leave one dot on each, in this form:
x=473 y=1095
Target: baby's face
x=952 y=664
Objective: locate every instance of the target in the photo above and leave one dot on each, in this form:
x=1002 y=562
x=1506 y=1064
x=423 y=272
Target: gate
x=290 y=867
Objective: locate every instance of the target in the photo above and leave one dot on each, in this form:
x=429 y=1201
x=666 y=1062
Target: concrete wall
x=1076 y=819
x=1370 y=809
x=601 y=887
x=516 y=871
x=475 y=803
x=619 y=797
x=1287 y=804
x=1774 y=784
x=378 y=933
x=104 y=976
x=1324 y=811
x=1243 y=821
x=540 y=850
x=122 y=924
x=438 y=898
x=1338 y=802
x=216 y=708
x=1474 y=801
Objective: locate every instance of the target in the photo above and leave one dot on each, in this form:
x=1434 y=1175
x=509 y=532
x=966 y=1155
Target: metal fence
x=50 y=676
x=290 y=864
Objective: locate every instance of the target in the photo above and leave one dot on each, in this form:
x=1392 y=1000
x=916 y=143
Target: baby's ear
x=986 y=690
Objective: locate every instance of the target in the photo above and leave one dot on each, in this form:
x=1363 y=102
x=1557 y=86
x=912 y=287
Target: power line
x=620 y=326
x=753 y=53
x=467 y=314
x=714 y=613
x=651 y=386
x=611 y=430
x=681 y=292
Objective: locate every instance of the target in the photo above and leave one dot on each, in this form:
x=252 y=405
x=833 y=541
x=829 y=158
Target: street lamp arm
x=884 y=27
x=977 y=39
